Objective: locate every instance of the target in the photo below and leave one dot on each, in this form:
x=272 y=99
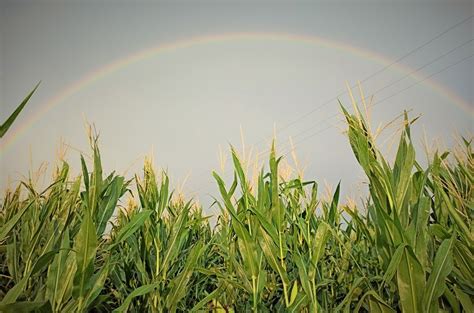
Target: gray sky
x=183 y=103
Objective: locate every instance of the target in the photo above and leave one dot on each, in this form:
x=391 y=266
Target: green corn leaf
x=464 y=299
x=97 y=283
x=85 y=246
x=214 y=294
x=15 y=292
x=178 y=285
x=378 y=307
x=463 y=262
x=294 y=292
x=375 y=303
x=107 y=209
x=164 y=191
x=333 y=207
x=24 y=307
x=394 y=263
x=140 y=291
x=465 y=232
x=8 y=123
x=452 y=300
x=85 y=176
x=271 y=254
x=178 y=233
x=319 y=245
x=131 y=227
x=300 y=301
x=345 y=303
x=60 y=273
x=240 y=172
x=411 y=282
x=442 y=266
x=277 y=210
x=43 y=261
x=306 y=281
x=8 y=226
x=266 y=225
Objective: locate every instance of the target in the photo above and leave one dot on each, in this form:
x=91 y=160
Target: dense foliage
x=276 y=247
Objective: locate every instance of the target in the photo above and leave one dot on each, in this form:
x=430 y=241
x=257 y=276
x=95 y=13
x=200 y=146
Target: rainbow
x=99 y=73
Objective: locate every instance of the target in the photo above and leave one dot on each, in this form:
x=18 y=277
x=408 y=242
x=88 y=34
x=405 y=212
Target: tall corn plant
x=280 y=252
x=415 y=224
x=277 y=246
x=50 y=240
x=156 y=262
x=452 y=197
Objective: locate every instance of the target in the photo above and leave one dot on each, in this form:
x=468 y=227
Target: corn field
x=277 y=246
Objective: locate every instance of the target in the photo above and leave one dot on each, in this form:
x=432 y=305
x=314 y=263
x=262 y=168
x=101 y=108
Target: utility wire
x=411 y=52
x=386 y=86
x=383 y=99
x=383 y=69
x=371 y=106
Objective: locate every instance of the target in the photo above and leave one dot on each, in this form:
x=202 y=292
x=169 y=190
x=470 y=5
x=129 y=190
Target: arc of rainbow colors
x=120 y=63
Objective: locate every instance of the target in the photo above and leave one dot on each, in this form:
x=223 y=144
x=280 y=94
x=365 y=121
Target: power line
x=386 y=98
x=392 y=83
x=371 y=106
x=411 y=52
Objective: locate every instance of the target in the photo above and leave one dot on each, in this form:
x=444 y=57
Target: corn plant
x=157 y=261
x=97 y=243
x=50 y=240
